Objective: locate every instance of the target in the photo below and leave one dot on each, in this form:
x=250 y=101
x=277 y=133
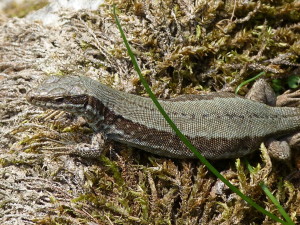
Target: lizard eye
x=59 y=100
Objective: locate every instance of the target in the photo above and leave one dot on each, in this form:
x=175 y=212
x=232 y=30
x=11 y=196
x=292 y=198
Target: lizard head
x=67 y=93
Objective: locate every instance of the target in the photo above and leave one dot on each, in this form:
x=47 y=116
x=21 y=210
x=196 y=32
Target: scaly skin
x=219 y=125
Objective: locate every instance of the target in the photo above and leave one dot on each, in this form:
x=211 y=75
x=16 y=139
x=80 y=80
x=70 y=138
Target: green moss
x=24 y=8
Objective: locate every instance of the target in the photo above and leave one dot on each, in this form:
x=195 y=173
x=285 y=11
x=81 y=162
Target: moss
x=22 y=9
x=182 y=48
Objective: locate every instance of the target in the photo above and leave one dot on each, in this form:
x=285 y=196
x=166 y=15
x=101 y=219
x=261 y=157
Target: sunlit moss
x=23 y=8
x=184 y=48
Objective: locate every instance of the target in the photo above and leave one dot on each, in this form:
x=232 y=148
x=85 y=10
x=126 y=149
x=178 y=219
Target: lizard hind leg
x=279 y=149
x=289 y=98
x=262 y=92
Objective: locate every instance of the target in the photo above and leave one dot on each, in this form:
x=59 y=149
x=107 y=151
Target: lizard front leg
x=93 y=150
x=85 y=150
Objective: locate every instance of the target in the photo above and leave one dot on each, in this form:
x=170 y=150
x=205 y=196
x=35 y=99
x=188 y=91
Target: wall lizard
x=220 y=125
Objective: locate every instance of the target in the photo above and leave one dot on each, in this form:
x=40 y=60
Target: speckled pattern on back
x=220 y=125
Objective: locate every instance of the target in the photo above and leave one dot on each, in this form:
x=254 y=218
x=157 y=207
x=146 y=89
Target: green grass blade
x=276 y=203
x=182 y=137
x=271 y=196
x=248 y=81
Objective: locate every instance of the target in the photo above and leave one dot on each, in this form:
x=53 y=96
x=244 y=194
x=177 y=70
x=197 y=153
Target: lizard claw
x=289 y=98
x=294 y=140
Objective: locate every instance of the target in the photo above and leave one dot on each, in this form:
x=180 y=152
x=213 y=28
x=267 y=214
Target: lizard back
x=219 y=125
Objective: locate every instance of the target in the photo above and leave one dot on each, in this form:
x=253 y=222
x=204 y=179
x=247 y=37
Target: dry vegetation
x=182 y=47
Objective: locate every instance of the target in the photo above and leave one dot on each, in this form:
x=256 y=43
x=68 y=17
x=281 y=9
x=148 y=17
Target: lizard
x=219 y=124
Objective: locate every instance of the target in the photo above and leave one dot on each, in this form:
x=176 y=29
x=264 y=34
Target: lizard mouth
x=57 y=102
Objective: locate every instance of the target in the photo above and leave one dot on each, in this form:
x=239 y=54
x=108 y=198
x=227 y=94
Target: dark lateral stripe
x=168 y=144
